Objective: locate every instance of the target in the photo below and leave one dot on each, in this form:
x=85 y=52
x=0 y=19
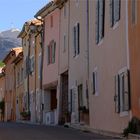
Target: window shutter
x=111 y=12
x=93 y=82
x=133 y=7
x=129 y=89
x=97 y=22
x=117 y=10
x=78 y=39
x=53 y=51
x=101 y=19
x=117 y=94
x=48 y=54
x=74 y=41
x=33 y=63
x=126 y=92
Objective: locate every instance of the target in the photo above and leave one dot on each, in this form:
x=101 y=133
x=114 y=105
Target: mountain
x=8 y=40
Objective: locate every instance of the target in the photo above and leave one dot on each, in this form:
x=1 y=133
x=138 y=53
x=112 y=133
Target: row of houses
x=79 y=64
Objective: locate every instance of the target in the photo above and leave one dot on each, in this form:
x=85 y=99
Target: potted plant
x=2 y=108
x=25 y=115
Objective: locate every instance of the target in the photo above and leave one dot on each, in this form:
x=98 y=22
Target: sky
x=14 y=13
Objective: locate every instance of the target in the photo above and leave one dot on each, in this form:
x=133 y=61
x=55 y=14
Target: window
x=51 y=52
x=64 y=48
x=77 y=3
x=95 y=85
x=114 y=11
x=122 y=94
x=65 y=11
x=39 y=66
x=76 y=39
x=22 y=74
x=51 y=21
x=134 y=11
x=100 y=20
x=32 y=64
x=80 y=95
x=18 y=78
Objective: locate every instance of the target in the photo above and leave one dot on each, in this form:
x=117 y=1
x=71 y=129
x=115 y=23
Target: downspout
x=87 y=82
x=41 y=72
x=28 y=82
x=35 y=74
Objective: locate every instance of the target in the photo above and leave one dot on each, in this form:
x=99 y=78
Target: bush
x=2 y=106
x=133 y=127
x=25 y=114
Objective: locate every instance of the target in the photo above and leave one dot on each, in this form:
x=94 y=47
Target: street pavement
x=18 y=131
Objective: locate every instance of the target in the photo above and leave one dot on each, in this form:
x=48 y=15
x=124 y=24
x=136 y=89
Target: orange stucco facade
x=134 y=49
x=10 y=95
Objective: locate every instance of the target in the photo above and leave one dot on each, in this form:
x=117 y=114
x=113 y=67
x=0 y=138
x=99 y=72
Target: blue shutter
x=117 y=94
x=97 y=22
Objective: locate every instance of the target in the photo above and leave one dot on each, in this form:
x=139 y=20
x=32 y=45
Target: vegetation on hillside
x=1 y=64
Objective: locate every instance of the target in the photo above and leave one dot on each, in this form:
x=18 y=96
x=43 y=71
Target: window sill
x=123 y=114
x=101 y=42
x=116 y=25
x=76 y=56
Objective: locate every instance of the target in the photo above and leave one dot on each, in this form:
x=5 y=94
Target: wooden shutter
x=53 y=51
x=101 y=18
x=111 y=13
x=97 y=22
x=48 y=54
x=117 y=94
x=78 y=39
x=126 y=92
x=117 y=10
x=93 y=75
x=74 y=41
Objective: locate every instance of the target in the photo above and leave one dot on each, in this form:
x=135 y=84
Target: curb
x=100 y=132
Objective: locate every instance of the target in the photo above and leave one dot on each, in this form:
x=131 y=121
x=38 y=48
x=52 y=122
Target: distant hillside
x=8 y=40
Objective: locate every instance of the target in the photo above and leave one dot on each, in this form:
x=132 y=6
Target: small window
x=65 y=11
x=77 y=2
x=100 y=20
x=32 y=64
x=80 y=95
x=39 y=66
x=95 y=83
x=22 y=74
x=134 y=11
x=76 y=39
x=115 y=6
x=64 y=48
x=51 y=48
x=51 y=21
x=122 y=94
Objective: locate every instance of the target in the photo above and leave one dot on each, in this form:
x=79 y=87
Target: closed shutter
x=101 y=19
x=117 y=10
x=53 y=51
x=111 y=13
x=97 y=22
x=74 y=41
x=126 y=98
x=78 y=38
x=117 y=94
x=93 y=82
x=48 y=54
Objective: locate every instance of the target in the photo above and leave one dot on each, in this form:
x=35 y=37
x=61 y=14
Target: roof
x=34 y=21
x=16 y=50
x=48 y=5
x=18 y=58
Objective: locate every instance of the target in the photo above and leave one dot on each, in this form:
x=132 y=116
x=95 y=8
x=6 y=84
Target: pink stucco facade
x=50 y=72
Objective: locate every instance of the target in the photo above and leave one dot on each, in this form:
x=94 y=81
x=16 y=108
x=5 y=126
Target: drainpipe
x=87 y=83
x=41 y=72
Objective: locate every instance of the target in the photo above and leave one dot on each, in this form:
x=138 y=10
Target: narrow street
x=17 y=131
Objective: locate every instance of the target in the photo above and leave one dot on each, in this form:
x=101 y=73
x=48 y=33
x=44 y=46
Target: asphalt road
x=17 y=131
